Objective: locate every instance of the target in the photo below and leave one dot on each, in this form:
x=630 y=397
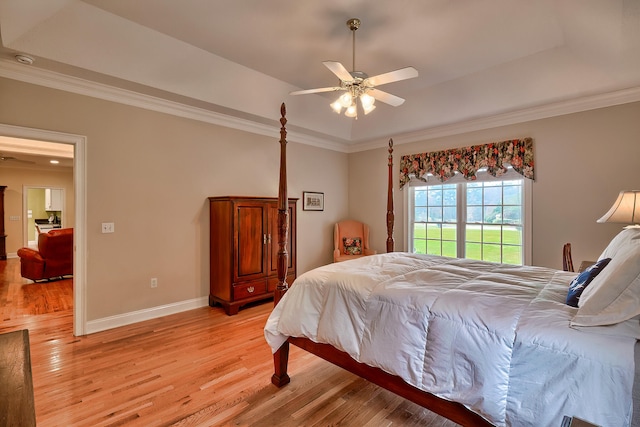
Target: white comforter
x=493 y=337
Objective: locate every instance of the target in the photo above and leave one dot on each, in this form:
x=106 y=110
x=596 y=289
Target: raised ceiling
x=25 y=153
x=478 y=60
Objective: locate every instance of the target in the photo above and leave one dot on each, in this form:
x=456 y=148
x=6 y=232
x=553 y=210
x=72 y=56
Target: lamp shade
x=626 y=208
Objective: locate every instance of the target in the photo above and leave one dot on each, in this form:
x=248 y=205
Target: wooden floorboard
x=197 y=368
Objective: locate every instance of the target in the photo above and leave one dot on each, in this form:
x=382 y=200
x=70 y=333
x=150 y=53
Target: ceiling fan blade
x=318 y=90
x=385 y=97
x=339 y=70
x=393 y=76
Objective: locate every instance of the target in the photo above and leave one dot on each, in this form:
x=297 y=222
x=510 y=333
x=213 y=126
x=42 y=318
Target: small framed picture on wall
x=312 y=201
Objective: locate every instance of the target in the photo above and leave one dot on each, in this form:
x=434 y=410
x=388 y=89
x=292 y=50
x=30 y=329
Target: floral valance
x=468 y=160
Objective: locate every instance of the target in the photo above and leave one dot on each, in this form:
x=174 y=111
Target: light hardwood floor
x=197 y=368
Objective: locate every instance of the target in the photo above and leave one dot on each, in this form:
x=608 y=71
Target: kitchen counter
x=44 y=224
x=49 y=226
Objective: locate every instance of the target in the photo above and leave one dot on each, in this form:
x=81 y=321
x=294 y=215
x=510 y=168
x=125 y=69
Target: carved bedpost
x=283 y=212
x=390 y=214
x=281 y=356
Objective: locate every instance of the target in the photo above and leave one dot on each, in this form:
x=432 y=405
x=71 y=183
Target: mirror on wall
x=44 y=211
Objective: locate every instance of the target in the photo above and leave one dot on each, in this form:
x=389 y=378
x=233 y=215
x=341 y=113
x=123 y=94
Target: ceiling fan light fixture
x=351 y=111
x=346 y=100
x=367 y=101
x=336 y=106
x=369 y=109
x=356 y=84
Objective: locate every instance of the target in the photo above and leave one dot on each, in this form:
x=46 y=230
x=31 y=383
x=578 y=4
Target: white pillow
x=614 y=295
x=620 y=242
x=629 y=329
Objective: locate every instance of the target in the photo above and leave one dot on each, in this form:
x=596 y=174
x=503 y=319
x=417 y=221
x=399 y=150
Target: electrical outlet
x=108 y=227
x=154 y=282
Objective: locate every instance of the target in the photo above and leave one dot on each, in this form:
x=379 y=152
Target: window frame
x=511 y=175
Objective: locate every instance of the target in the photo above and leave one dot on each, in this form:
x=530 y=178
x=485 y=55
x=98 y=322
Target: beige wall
x=15 y=178
x=151 y=174
x=582 y=161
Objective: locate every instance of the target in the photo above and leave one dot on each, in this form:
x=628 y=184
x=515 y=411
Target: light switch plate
x=108 y=227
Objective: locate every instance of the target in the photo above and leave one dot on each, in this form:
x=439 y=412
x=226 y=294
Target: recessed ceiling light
x=24 y=59
x=54 y=162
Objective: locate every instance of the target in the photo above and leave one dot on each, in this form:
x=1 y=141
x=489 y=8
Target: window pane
x=449 y=249
x=435 y=196
x=473 y=250
x=420 y=215
x=512 y=235
x=492 y=195
x=449 y=232
x=492 y=234
x=420 y=198
x=474 y=195
x=491 y=252
x=419 y=236
x=433 y=231
x=433 y=247
x=512 y=195
x=450 y=214
x=512 y=255
x=449 y=196
x=474 y=213
x=493 y=214
x=512 y=214
x=435 y=214
x=473 y=233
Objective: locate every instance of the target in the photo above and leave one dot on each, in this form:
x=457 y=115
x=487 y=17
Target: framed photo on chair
x=312 y=201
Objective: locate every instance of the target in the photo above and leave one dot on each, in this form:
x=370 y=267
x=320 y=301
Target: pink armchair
x=350 y=240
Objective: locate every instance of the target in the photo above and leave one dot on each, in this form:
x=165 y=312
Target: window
x=484 y=219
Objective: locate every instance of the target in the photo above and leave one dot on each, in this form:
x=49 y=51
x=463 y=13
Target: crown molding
x=50 y=79
x=560 y=108
x=54 y=80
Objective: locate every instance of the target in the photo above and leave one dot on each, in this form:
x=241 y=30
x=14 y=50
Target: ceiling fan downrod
x=353 y=24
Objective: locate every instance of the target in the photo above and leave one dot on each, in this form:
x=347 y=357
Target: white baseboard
x=142 y=315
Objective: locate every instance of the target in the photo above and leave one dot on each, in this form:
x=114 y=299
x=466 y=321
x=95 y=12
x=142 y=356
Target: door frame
x=79 y=143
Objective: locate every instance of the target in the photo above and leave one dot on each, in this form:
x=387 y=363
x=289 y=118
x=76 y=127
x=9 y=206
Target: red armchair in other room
x=54 y=257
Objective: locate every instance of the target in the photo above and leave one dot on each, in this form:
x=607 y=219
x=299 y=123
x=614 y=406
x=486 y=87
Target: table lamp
x=625 y=210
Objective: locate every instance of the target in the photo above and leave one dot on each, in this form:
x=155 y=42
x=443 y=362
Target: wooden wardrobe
x=244 y=248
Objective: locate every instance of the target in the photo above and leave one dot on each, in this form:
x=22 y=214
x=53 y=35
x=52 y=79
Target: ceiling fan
x=4 y=158
x=358 y=85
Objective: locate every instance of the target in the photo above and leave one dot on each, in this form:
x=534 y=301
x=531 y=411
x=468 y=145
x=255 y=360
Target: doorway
x=79 y=147
x=43 y=209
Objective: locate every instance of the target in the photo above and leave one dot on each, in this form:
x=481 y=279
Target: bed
x=479 y=343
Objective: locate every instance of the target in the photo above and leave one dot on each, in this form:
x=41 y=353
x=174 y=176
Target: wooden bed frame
x=452 y=410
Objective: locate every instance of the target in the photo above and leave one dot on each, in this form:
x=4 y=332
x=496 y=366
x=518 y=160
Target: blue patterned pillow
x=583 y=279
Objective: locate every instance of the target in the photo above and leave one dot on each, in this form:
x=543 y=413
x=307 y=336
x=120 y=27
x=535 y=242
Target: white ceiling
x=477 y=59
x=25 y=153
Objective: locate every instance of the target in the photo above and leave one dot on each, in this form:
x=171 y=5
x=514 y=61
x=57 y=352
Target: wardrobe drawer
x=250 y=289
